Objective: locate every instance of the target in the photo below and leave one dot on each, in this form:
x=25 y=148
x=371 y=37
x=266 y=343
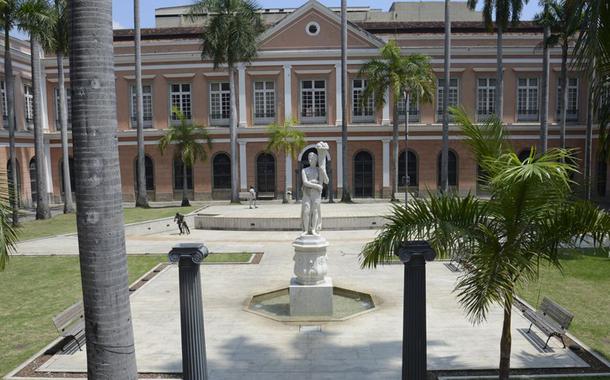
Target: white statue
x=314 y=177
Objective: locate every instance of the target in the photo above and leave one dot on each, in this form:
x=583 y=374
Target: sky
x=123 y=9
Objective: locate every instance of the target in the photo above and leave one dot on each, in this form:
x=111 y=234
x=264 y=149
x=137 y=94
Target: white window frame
x=269 y=111
x=182 y=96
x=68 y=108
x=316 y=117
x=414 y=111
x=361 y=113
x=527 y=89
x=439 y=96
x=148 y=119
x=28 y=105
x=486 y=98
x=220 y=92
x=573 y=93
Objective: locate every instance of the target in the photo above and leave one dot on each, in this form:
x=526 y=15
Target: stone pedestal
x=311 y=292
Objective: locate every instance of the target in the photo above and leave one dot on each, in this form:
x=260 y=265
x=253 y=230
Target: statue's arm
x=308 y=183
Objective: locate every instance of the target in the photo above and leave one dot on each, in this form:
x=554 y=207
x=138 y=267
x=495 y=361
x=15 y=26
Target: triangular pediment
x=295 y=31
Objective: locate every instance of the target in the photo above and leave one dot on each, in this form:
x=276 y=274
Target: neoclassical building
x=297 y=76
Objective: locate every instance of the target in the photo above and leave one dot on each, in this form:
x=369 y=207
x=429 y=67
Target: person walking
x=252 y=197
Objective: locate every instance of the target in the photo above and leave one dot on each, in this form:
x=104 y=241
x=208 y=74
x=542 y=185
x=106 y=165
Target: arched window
x=61 y=178
x=33 y=183
x=149 y=173
x=16 y=189
x=179 y=176
x=265 y=174
x=221 y=172
x=602 y=172
x=413 y=179
x=363 y=175
x=452 y=168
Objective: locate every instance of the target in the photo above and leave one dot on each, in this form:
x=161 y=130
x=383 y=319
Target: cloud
x=116 y=25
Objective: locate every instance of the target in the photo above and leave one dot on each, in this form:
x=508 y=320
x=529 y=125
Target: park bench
x=551 y=318
x=71 y=322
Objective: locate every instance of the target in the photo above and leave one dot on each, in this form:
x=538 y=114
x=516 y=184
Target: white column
x=287 y=92
x=47 y=154
x=243 y=166
x=338 y=92
x=386 y=163
x=43 y=90
x=241 y=78
x=386 y=110
x=289 y=172
x=339 y=164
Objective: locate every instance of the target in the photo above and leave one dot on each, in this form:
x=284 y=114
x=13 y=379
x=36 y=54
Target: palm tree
x=346 y=195
x=230 y=37
x=506 y=11
x=8 y=235
x=394 y=73
x=35 y=17
x=141 y=196
x=288 y=140
x=59 y=46
x=187 y=137
x=503 y=240
x=445 y=145
x=99 y=215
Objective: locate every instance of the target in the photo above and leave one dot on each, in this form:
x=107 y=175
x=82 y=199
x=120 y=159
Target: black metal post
x=189 y=256
x=414 y=254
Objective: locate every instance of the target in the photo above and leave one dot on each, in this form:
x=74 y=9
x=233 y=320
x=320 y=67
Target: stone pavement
x=278 y=210
x=241 y=345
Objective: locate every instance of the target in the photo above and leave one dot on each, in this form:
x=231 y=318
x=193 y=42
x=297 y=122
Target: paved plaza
x=242 y=345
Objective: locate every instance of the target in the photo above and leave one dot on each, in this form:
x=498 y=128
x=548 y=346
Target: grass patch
x=66 y=223
x=581 y=287
x=228 y=257
x=34 y=290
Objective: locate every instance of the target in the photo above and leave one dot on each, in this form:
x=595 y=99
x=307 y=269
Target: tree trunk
x=500 y=75
x=407 y=179
x=286 y=175
x=42 y=194
x=544 y=119
x=589 y=137
x=395 y=150
x=564 y=97
x=445 y=149
x=185 y=197
x=63 y=120
x=233 y=130
x=346 y=196
x=100 y=220
x=506 y=340
x=10 y=112
x=141 y=196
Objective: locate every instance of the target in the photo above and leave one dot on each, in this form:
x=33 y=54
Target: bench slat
x=73 y=315
x=556 y=313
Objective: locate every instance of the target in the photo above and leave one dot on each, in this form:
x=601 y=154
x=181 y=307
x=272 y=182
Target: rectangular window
x=220 y=103
x=486 y=98
x=527 y=99
x=146 y=105
x=180 y=98
x=29 y=103
x=572 y=111
x=68 y=108
x=413 y=109
x=361 y=111
x=453 y=96
x=264 y=102
x=313 y=101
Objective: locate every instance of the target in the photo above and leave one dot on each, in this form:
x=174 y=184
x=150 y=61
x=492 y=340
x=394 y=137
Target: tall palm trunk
x=346 y=195
x=589 y=137
x=63 y=120
x=500 y=74
x=100 y=221
x=407 y=179
x=286 y=175
x=395 y=150
x=42 y=195
x=445 y=149
x=564 y=95
x=233 y=131
x=10 y=112
x=185 y=197
x=506 y=340
x=141 y=196
x=544 y=119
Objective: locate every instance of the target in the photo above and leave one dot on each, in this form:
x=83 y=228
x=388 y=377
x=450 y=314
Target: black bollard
x=414 y=254
x=189 y=256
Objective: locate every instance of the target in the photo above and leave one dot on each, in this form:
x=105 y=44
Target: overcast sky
x=123 y=9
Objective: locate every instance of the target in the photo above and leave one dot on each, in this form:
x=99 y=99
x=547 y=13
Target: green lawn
x=65 y=224
x=581 y=287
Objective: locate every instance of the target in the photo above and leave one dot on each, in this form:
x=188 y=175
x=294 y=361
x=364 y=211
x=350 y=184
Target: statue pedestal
x=311 y=292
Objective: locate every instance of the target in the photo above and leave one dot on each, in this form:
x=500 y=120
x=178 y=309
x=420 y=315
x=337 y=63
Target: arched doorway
x=452 y=173
x=265 y=176
x=221 y=176
x=363 y=175
x=413 y=172
x=33 y=183
x=304 y=163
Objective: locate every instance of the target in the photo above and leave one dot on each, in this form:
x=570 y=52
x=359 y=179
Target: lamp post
x=414 y=254
x=189 y=257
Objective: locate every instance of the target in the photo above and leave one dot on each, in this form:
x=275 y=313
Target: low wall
x=210 y=222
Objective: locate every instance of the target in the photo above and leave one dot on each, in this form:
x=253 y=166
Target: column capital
x=194 y=251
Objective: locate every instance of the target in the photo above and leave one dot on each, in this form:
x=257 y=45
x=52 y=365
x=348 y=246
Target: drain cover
x=310 y=328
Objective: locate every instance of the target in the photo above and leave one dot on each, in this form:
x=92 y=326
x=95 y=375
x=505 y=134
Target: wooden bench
x=551 y=318
x=71 y=322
